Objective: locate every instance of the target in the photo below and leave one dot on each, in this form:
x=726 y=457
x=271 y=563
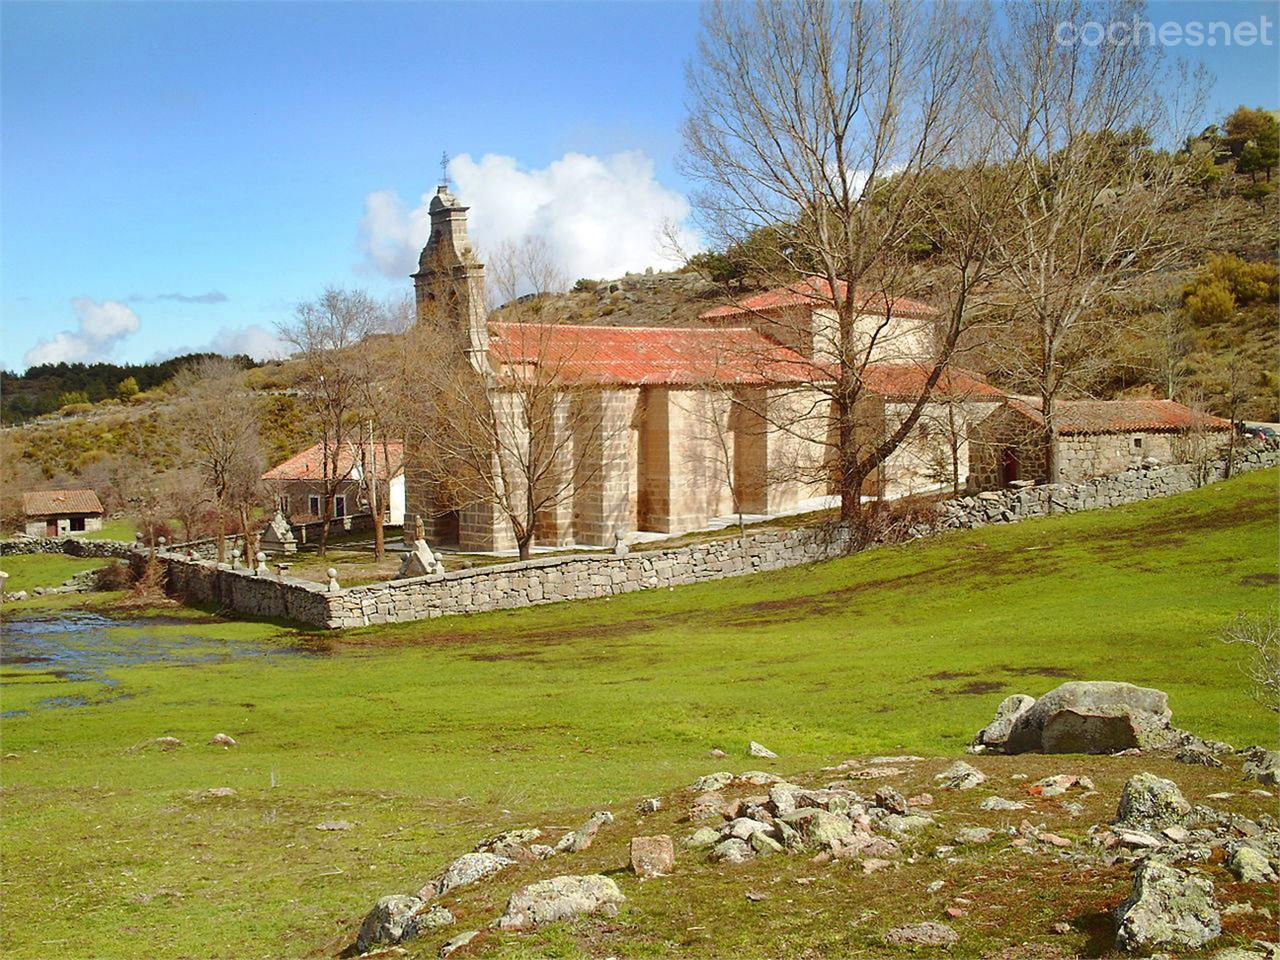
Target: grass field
x=556 y=710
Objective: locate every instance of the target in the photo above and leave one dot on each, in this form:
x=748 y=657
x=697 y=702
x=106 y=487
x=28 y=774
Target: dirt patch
x=973 y=688
x=949 y=675
x=1058 y=672
x=1260 y=580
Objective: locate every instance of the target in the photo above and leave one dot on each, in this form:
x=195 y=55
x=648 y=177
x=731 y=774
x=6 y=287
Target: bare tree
x=520 y=434
x=220 y=424
x=1091 y=192
x=325 y=333
x=845 y=132
x=1261 y=635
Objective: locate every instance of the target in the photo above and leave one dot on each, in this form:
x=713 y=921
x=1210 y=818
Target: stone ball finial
x=261 y=557
x=161 y=540
x=332 y=573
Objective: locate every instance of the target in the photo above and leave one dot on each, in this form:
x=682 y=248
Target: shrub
x=71 y=409
x=584 y=285
x=115 y=576
x=126 y=388
x=1258 y=191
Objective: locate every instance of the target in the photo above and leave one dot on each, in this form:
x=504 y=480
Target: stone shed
x=61 y=513
x=1095 y=438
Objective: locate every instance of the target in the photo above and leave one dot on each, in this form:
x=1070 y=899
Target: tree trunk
x=222 y=536
x=526 y=547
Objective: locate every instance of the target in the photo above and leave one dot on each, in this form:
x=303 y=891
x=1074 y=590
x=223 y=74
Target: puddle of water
x=78 y=647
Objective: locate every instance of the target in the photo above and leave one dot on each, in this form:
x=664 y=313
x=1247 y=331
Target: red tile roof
x=49 y=503
x=1119 y=416
x=905 y=381
x=639 y=356
x=816 y=292
x=309 y=464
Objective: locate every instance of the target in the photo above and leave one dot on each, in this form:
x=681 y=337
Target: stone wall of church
x=551 y=579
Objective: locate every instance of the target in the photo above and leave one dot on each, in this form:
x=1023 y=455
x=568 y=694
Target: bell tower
x=448 y=268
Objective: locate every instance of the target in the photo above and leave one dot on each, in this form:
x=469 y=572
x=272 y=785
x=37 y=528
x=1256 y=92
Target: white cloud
x=254 y=341
x=600 y=216
x=101 y=326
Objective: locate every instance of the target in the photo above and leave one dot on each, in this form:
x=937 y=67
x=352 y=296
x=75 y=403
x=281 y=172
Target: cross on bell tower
x=444 y=170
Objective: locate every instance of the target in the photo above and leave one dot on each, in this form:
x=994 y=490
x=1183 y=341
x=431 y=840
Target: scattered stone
x=1250 y=866
x=457 y=943
x=649 y=805
x=935 y=886
x=927 y=934
x=712 y=782
x=1262 y=765
x=756 y=896
x=1152 y=802
x=874 y=773
x=995 y=735
x=215 y=792
x=397 y=918
x=758 y=777
x=467 y=869
x=904 y=758
x=167 y=743
x=541 y=851
x=764 y=844
x=1168 y=907
x=717 y=753
x=820 y=828
x=652 y=856
x=955 y=912
x=890 y=799
x=334 y=825
x=1177 y=834
x=960 y=776
x=1137 y=839
x=585 y=835
x=222 y=740
x=703 y=837
x=513 y=844
x=921 y=800
x=1000 y=803
x=732 y=850
x=1054 y=839
x=760 y=750
x=1058 y=785
x=1061 y=928
x=1098 y=716
x=561 y=898
x=872 y=864
x=1197 y=754
x=970 y=835
x=901 y=826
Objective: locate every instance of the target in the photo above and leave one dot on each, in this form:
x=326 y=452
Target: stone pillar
x=604 y=501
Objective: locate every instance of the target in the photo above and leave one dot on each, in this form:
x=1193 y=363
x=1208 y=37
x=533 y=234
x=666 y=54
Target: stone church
x=703 y=421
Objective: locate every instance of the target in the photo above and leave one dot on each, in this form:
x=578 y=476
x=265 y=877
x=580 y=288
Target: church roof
x=309 y=464
x=639 y=356
x=905 y=381
x=1118 y=416
x=816 y=292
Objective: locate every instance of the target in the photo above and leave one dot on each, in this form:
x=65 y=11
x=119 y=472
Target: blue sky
x=179 y=175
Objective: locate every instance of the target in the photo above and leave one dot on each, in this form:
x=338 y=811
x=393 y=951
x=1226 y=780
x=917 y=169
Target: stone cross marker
x=278 y=537
x=418 y=562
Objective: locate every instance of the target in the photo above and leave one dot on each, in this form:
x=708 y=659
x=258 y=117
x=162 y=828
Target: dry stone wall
x=552 y=579
x=71 y=546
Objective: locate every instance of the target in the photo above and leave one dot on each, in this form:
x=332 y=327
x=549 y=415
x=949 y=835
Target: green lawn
x=30 y=570
x=122 y=529
x=575 y=706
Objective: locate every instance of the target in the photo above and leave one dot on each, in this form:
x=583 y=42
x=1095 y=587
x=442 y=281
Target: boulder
x=1262 y=765
x=222 y=740
x=1097 y=716
x=652 y=856
x=960 y=776
x=454 y=944
x=703 y=837
x=760 y=750
x=561 y=898
x=927 y=934
x=820 y=828
x=890 y=799
x=398 y=918
x=1248 y=865
x=585 y=835
x=732 y=850
x=995 y=735
x=968 y=835
x=1000 y=803
x=467 y=869
x=712 y=782
x=1152 y=803
x=1168 y=907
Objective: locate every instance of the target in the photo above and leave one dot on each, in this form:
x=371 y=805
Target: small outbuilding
x=61 y=513
x=1095 y=437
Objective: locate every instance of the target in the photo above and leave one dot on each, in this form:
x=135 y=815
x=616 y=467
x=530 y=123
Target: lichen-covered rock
x=712 y=782
x=995 y=735
x=1168 y=907
x=888 y=798
x=585 y=835
x=1262 y=765
x=561 y=898
x=1097 y=716
x=1151 y=802
x=398 y=918
x=820 y=828
x=760 y=750
x=467 y=869
x=960 y=776
x=703 y=837
x=1250 y=865
x=732 y=850
x=927 y=934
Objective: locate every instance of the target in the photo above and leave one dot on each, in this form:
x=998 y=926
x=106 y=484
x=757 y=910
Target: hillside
x=425 y=738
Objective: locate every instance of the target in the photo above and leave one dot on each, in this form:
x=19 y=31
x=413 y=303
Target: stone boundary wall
x=71 y=546
x=581 y=576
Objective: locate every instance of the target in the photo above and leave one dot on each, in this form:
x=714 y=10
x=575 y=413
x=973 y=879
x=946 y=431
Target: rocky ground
x=992 y=856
